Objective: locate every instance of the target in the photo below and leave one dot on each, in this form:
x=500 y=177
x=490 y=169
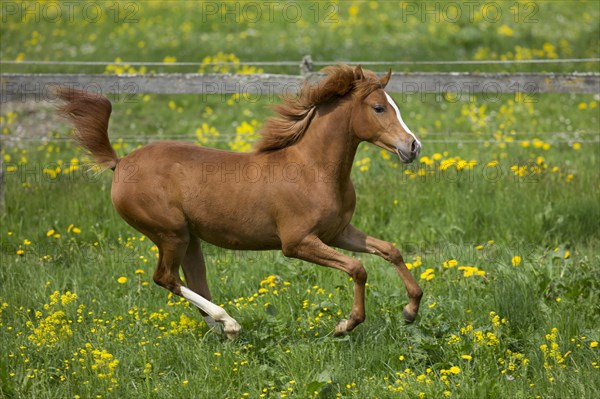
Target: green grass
x=435 y=210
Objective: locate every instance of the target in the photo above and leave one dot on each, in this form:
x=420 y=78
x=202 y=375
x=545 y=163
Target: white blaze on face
x=395 y=107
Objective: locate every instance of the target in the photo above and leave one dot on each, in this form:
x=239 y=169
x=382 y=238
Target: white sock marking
x=406 y=129
x=214 y=311
x=230 y=326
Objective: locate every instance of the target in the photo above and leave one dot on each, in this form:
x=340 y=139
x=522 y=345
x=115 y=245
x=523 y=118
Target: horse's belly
x=232 y=222
x=237 y=235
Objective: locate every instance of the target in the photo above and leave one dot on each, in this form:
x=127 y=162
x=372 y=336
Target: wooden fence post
x=306 y=66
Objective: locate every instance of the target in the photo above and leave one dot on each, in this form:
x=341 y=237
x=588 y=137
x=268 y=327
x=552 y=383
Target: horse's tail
x=89 y=113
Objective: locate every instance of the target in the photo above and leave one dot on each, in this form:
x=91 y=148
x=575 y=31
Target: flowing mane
x=295 y=114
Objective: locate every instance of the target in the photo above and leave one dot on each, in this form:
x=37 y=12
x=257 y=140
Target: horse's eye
x=379 y=109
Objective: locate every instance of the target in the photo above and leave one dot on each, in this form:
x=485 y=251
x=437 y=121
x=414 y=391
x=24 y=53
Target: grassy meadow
x=499 y=217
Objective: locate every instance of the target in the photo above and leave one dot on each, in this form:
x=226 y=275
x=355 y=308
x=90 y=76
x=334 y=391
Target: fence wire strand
x=298 y=63
x=229 y=138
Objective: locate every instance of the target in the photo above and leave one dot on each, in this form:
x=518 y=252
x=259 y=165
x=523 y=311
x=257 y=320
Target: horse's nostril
x=414 y=147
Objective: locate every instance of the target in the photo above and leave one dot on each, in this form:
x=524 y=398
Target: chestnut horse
x=292 y=193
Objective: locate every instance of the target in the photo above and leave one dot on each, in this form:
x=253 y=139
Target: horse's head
x=376 y=118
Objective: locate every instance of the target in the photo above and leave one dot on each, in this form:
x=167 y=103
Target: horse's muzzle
x=409 y=156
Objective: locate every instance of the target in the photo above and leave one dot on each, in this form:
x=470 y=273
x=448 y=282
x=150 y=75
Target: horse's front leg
x=355 y=240
x=312 y=249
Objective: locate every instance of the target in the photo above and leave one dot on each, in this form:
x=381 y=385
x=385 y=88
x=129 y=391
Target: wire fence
x=297 y=63
x=546 y=137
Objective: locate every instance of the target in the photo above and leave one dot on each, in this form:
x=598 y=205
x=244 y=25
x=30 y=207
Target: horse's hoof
x=232 y=330
x=341 y=329
x=409 y=315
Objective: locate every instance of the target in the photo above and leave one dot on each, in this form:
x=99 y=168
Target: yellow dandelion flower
x=516 y=260
x=122 y=280
x=450 y=263
x=467 y=357
x=505 y=30
x=469 y=271
x=569 y=177
x=73 y=229
x=427 y=275
x=593 y=344
x=454 y=339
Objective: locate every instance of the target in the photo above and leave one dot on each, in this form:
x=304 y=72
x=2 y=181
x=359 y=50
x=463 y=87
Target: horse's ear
x=358 y=73
x=384 y=80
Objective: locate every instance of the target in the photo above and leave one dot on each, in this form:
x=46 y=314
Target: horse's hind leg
x=194 y=270
x=176 y=246
x=198 y=292
x=171 y=250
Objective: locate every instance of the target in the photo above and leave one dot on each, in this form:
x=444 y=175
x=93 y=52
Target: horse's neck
x=328 y=142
